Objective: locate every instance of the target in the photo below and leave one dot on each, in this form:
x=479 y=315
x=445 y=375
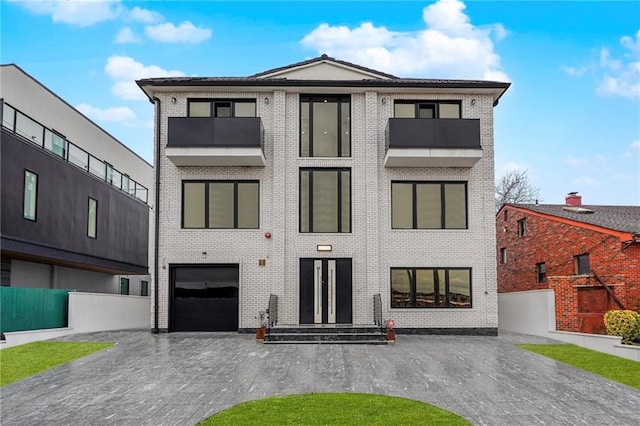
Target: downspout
x=156 y=243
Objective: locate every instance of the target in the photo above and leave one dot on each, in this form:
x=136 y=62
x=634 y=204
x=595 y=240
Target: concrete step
x=335 y=334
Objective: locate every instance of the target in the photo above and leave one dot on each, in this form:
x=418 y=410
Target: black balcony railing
x=443 y=133
x=215 y=132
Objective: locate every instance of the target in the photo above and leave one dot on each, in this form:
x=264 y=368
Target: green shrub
x=625 y=324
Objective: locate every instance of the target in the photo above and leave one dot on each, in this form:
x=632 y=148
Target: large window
x=220 y=204
x=325 y=126
x=426 y=109
x=429 y=205
x=222 y=108
x=30 y=195
x=325 y=200
x=92 y=219
x=582 y=264
x=430 y=287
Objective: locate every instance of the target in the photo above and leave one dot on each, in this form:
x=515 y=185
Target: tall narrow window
x=144 y=288
x=124 y=285
x=503 y=255
x=429 y=205
x=582 y=264
x=325 y=200
x=541 y=272
x=92 y=219
x=325 y=126
x=30 y=195
x=522 y=227
x=221 y=204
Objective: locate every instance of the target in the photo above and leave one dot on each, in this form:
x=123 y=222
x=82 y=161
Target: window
x=503 y=255
x=220 y=204
x=30 y=195
x=430 y=287
x=427 y=109
x=325 y=200
x=92 y=219
x=222 y=108
x=541 y=272
x=522 y=227
x=506 y=215
x=582 y=264
x=124 y=285
x=144 y=288
x=325 y=126
x=429 y=205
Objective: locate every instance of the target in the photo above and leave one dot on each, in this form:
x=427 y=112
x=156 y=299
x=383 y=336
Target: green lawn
x=334 y=409
x=612 y=367
x=22 y=361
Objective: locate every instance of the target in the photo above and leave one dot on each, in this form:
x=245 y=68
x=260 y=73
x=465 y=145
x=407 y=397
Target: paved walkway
x=182 y=378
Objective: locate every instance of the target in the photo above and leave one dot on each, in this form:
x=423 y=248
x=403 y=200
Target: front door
x=325 y=291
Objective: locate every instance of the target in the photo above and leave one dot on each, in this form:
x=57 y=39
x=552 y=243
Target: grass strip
x=19 y=362
x=335 y=409
x=612 y=367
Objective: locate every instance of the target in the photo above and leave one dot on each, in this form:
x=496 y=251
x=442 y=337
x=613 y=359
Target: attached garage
x=204 y=297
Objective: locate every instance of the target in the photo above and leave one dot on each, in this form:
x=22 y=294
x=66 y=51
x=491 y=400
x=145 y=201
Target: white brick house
x=325 y=183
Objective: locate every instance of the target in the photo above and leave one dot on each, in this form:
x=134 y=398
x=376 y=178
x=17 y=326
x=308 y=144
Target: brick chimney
x=573 y=199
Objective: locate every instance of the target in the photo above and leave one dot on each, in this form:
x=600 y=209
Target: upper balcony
x=215 y=141
x=432 y=142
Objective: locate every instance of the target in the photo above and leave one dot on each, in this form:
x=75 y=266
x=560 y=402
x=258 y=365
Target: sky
x=571 y=117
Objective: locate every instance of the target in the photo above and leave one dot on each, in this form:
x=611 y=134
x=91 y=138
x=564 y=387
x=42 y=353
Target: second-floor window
x=426 y=109
x=582 y=264
x=428 y=205
x=220 y=204
x=325 y=200
x=222 y=108
x=30 y=196
x=325 y=126
x=92 y=219
x=522 y=227
x=541 y=272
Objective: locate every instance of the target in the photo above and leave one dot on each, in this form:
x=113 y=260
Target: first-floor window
x=124 y=285
x=144 y=288
x=92 y=219
x=541 y=272
x=430 y=287
x=429 y=205
x=503 y=255
x=582 y=264
x=325 y=200
x=30 y=195
x=220 y=204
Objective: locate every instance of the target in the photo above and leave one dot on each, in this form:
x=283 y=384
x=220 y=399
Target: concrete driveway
x=182 y=378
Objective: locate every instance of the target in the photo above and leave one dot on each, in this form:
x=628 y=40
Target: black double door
x=325 y=291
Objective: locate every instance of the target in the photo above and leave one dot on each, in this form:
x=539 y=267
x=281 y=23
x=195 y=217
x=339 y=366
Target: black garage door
x=205 y=297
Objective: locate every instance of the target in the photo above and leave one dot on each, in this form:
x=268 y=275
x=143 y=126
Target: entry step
x=334 y=334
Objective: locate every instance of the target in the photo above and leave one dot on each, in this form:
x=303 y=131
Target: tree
x=514 y=187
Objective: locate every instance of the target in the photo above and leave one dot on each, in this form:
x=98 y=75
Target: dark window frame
x=522 y=227
x=24 y=195
x=443 y=215
x=541 y=272
x=95 y=231
x=124 y=281
x=212 y=102
x=338 y=99
x=144 y=288
x=503 y=255
x=447 y=296
x=206 y=202
x=435 y=104
x=310 y=191
x=580 y=264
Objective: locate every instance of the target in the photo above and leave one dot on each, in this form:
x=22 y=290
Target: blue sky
x=571 y=117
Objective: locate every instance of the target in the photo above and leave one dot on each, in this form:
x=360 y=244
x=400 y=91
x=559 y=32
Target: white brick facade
x=372 y=245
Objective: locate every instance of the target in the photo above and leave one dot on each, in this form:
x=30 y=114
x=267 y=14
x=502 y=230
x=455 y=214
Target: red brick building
x=589 y=255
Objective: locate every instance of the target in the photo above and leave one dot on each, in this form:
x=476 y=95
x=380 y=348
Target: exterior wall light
x=383 y=100
x=266 y=101
x=324 y=247
x=473 y=101
x=174 y=101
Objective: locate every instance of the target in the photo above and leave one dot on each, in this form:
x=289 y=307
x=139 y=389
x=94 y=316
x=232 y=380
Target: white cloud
x=585 y=181
x=82 y=13
x=114 y=114
x=124 y=70
x=622 y=76
x=144 y=16
x=126 y=35
x=449 y=46
x=576 y=161
x=634 y=149
x=186 y=32
x=577 y=71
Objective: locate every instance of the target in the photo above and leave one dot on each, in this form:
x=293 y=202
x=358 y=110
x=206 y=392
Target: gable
x=324 y=70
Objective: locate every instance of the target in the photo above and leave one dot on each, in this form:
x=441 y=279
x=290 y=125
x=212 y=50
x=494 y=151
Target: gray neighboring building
x=325 y=183
x=75 y=201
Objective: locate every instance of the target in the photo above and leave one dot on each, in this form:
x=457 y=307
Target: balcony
x=424 y=142
x=212 y=141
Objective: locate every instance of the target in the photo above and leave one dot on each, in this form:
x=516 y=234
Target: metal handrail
x=272 y=310
x=377 y=310
x=613 y=296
